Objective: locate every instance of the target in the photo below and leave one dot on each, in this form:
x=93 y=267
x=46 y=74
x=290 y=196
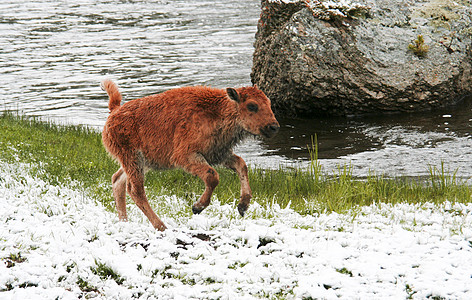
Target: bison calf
x=191 y=128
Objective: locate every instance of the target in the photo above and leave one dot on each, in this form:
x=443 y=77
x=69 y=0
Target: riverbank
x=74 y=156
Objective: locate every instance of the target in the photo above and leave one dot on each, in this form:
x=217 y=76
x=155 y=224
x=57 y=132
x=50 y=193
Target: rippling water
x=53 y=55
x=395 y=145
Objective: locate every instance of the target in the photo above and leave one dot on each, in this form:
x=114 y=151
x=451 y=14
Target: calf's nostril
x=274 y=128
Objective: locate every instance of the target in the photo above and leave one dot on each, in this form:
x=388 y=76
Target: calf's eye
x=252 y=107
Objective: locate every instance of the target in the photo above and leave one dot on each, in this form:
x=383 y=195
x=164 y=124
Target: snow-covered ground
x=53 y=241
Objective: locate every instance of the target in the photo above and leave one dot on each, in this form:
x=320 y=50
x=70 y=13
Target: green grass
x=105 y=272
x=74 y=155
x=13 y=259
x=85 y=286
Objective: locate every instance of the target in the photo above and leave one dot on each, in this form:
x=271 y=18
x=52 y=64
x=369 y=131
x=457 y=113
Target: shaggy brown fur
x=190 y=128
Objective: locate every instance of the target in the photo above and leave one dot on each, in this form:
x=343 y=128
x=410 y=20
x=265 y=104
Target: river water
x=53 y=55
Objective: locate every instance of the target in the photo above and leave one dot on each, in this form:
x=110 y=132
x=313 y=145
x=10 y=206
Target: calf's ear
x=232 y=94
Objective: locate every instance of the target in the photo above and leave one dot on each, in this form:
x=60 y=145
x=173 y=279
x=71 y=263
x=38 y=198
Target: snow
x=329 y=10
x=380 y=251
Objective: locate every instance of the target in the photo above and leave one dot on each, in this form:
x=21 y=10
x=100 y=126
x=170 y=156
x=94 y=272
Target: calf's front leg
x=198 y=166
x=238 y=165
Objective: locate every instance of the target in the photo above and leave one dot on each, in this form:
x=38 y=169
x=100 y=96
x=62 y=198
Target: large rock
x=345 y=59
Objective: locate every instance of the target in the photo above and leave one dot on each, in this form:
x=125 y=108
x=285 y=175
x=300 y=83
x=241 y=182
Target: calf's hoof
x=242 y=207
x=161 y=227
x=197 y=210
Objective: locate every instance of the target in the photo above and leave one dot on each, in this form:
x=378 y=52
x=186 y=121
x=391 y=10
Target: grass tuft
x=105 y=272
x=85 y=286
x=344 y=271
x=12 y=259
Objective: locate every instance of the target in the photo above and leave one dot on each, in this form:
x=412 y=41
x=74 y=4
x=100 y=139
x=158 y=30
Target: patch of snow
x=380 y=251
x=330 y=9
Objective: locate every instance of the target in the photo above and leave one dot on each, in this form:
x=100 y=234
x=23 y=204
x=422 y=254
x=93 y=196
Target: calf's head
x=255 y=116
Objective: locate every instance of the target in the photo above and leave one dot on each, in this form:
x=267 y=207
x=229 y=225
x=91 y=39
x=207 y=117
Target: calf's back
x=163 y=127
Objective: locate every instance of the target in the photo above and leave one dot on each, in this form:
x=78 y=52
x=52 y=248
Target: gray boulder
x=343 y=58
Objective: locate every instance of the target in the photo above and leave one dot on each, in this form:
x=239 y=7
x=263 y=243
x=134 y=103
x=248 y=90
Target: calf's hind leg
x=119 y=193
x=135 y=188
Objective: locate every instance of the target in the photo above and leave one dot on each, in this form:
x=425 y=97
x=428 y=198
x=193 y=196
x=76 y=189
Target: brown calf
x=189 y=128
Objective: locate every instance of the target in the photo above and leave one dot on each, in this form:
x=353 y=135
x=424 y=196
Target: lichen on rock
x=440 y=13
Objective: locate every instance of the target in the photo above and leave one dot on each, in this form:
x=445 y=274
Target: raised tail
x=113 y=93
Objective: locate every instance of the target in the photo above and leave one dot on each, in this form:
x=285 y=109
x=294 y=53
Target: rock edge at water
x=354 y=58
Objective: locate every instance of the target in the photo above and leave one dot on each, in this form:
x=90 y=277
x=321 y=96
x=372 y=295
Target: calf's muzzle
x=270 y=130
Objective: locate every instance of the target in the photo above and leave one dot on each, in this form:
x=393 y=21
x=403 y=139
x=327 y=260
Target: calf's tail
x=113 y=93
